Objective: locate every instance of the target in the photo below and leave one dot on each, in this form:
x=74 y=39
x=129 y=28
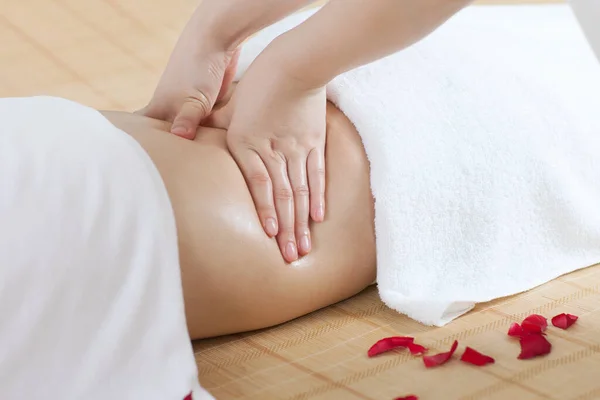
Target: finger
x=299 y=183
x=284 y=203
x=193 y=110
x=315 y=165
x=260 y=186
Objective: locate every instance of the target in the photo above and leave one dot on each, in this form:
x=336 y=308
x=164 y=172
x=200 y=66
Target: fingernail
x=320 y=214
x=271 y=227
x=291 y=251
x=305 y=244
x=179 y=130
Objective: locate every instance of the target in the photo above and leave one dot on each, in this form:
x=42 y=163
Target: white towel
x=91 y=303
x=483 y=141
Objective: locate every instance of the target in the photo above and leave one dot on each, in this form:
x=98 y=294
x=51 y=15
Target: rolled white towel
x=483 y=141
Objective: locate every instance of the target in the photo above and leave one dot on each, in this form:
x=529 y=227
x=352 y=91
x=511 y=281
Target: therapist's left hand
x=276 y=133
x=198 y=76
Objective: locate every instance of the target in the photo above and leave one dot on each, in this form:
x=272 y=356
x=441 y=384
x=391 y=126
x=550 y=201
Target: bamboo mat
x=323 y=355
x=106 y=54
x=109 y=54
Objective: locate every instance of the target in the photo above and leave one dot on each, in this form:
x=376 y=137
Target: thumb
x=193 y=110
x=220 y=118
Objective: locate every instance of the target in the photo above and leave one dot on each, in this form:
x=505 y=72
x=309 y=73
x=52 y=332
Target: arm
x=345 y=34
x=230 y=22
x=276 y=118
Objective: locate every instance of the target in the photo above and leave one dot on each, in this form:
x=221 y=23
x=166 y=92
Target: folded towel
x=483 y=141
x=90 y=288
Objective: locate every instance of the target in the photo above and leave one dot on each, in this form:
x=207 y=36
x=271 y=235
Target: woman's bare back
x=234 y=277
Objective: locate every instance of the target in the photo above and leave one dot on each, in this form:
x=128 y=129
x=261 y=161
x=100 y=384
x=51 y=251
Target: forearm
x=345 y=34
x=230 y=22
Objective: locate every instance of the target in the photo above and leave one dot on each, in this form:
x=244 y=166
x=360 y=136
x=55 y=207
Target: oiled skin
x=234 y=277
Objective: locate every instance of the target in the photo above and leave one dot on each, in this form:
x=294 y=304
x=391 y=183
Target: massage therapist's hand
x=276 y=133
x=198 y=75
x=203 y=63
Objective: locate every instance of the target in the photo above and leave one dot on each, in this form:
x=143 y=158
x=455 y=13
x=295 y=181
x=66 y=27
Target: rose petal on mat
x=389 y=343
x=409 y=397
x=515 y=330
x=474 y=357
x=535 y=323
x=564 y=321
x=440 y=358
x=416 y=349
x=534 y=345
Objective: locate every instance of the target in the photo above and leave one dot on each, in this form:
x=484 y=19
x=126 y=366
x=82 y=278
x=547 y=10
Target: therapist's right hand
x=198 y=75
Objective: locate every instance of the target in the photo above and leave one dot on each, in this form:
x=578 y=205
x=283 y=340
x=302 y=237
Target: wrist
x=288 y=59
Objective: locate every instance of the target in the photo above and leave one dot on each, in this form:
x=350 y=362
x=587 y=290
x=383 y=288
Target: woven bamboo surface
x=108 y=54
x=323 y=355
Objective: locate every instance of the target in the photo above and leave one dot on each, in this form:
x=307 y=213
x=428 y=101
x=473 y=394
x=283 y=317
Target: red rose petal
x=409 y=397
x=533 y=346
x=441 y=358
x=416 y=349
x=188 y=397
x=474 y=357
x=515 y=330
x=389 y=343
x=564 y=321
x=535 y=323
